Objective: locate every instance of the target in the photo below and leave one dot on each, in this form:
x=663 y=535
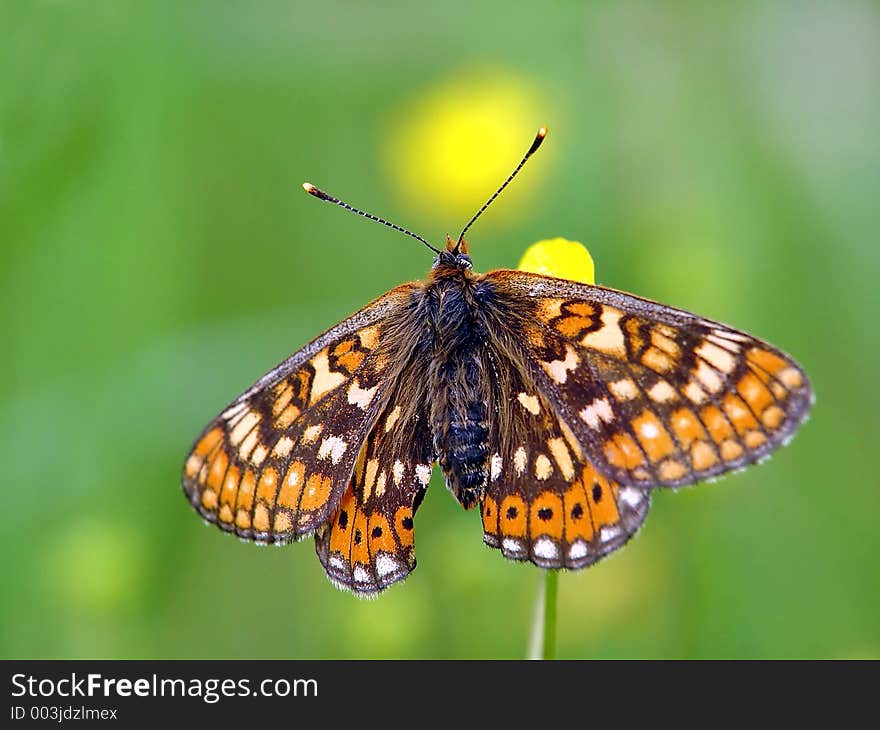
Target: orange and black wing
x=368 y=543
x=656 y=396
x=544 y=501
x=273 y=466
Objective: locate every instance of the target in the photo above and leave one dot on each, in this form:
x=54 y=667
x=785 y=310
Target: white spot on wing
x=392 y=419
x=332 y=447
x=721 y=341
x=578 y=549
x=603 y=408
x=310 y=435
x=530 y=403
x=496 y=466
x=360 y=397
x=735 y=409
x=242 y=428
x=361 y=575
x=624 y=389
x=716 y=356
x=709 y=378
x=370 y=476
x=543 y=467
x=609 y=532
x=598 y=410
x=791 y=378
x=511 y=545
x=519 y=461
x=562 y=457
x=325 y=379
x=423 y=473
x=609 y=337
x=590 y=417
x=283 y=446
x=193 y=463
x=369 y=337
x=729 y=335
x=230 y=413
x=694 y=393
x=546 y=548
x=650 y=430
x=661 y=392
x=630 y=496
x=386 y=564
x=380 y=484
x=558 y=369
x=397 y=471
x=259 y=455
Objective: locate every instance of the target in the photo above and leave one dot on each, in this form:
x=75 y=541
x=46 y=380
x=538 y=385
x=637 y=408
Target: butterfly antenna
x=542 y=132
x=321 y=195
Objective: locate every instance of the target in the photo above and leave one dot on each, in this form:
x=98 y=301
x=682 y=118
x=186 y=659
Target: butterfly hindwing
x=368 y=543
x=657 y=396
x=544 y=502
x=274 y=464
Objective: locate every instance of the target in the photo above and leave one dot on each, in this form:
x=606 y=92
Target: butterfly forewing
x=655 y=395
x=275 y=463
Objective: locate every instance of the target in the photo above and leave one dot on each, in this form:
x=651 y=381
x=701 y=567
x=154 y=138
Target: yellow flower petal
x=561 y=258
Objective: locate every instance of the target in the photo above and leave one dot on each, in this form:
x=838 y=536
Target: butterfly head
x=454 y=257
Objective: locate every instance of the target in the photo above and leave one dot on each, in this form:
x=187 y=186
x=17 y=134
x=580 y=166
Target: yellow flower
x=561 y=258
x=451 y=147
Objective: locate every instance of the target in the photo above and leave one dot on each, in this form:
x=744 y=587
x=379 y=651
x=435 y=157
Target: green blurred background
x=158 y=256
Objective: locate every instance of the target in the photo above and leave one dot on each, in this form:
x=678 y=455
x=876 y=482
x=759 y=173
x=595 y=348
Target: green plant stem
x=542 y=637
x=551 y=586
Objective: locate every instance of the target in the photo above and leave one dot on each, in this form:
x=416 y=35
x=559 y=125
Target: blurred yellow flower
x=561 y=258
x=451 y=147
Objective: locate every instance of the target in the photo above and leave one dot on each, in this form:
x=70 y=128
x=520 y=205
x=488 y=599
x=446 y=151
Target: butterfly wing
x=544 y=501
x=656 y=396
x=274 y=464
x=368 y=543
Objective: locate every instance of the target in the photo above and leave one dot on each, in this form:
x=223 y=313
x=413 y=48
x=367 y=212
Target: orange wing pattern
x=274 y=465
x=592 y=397
x=368 y=542
x=655 y=395
x=544 y=500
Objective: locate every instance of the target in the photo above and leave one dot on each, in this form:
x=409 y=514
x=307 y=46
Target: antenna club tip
x=309 y=188
x=542 y=132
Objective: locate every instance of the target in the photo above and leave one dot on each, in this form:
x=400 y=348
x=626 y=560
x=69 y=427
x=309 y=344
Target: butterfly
x=555 y=407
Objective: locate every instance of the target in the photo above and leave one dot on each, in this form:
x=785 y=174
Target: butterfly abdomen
x=459 y=410
x=464 y=451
